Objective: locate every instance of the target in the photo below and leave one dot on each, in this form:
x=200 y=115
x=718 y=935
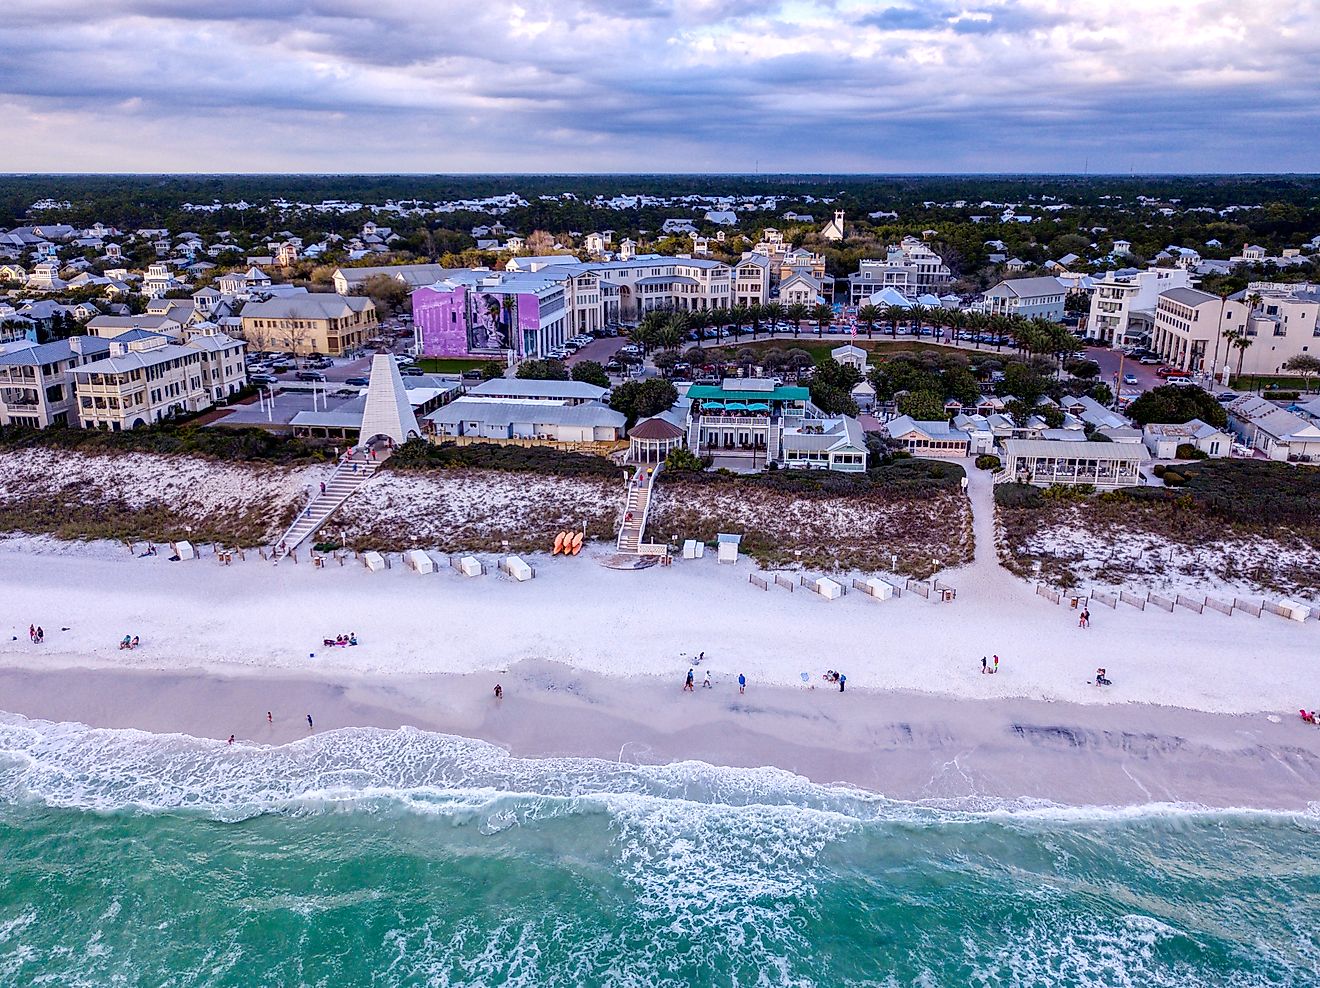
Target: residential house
x=751 y=280
x=936 y=439
x=1029 y=298
x=851 y=356
x=108 y=327
x=801 y=289
x=145 y=378
x=1163 y=439
x=348 y=280
x=834 y=442
x=497 y=419
x=1279 y=434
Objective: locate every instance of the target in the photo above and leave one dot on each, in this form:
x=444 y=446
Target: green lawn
x=450 y=365
x=1255 y=382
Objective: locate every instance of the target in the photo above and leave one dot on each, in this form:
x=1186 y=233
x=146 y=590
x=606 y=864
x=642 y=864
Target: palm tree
x=868 y=315
x=699 y=320
x=670 y=333
x=957 y=321
x=1243 y=343
x=918 y=314
x=893 y=314
x=772 y=312
x=755 y=313
x=737 y=319
x=796 y=313
x=823 y=315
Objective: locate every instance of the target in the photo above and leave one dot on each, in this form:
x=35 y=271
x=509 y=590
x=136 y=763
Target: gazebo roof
x=655 y=428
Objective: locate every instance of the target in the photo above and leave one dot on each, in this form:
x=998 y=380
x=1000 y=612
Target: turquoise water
x=404 y=858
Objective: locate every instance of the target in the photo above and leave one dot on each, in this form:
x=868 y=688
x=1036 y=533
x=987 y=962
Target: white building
x=145 y=378
x=1163 y=439
x=1046 y=462
x=479 y=418
x=1029 y=298
x=1278 y=434
x=910 y=268
x=1123 y=303
x=36 y=383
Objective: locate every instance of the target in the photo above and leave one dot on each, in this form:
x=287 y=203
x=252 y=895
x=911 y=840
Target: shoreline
x=905 y=746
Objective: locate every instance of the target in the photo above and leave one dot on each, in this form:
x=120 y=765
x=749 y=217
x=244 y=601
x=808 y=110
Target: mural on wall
x=461 y=321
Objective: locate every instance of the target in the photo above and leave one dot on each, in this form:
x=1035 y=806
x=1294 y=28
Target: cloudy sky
x=660 y=85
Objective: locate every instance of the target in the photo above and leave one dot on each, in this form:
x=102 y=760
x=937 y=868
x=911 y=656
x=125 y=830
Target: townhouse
x=1123 y=303
x=313 y=322
x=1030 y=298
x=36 y=386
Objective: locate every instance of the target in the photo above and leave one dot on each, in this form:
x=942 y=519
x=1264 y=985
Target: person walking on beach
x=499 y=691
x=687 y=683
x=996 y=668
x=706 y=685
x=269 y=718
x=984 y=664
x=1086 y=617
x=41 y=634
x=231 y=739
x=843 y=681
x=310 y=726
x=32 y=633
x=742 y=683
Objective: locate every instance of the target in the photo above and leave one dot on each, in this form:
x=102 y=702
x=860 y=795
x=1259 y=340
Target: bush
x=1173 y=479
x=231 y=445
x=988 y=461
x=1283 y=395
x=684 y=459
x=1187 y=451
x=1158 y=469
x=418 y=454
x=1018 y=496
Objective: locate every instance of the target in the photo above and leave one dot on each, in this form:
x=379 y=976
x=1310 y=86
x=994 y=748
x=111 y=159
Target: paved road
x=600 y=350
x=1109 y=364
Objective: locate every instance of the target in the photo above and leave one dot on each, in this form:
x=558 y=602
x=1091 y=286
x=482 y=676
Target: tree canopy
x=1175 y=404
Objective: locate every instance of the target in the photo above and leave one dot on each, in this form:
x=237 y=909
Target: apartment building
x=36 y=386
x=224 y=371
x=1191 y=327
x=310 y=323
x=751 y=280
x=144 y=379
x=1123 y=303
x=911 y=268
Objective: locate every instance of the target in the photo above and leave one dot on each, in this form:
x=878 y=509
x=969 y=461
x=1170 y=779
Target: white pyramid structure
x=388 y=411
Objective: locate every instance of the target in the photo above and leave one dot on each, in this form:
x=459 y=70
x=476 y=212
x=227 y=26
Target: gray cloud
x=832 y=85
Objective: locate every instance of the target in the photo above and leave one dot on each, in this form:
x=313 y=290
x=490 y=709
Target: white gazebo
x=653 y=439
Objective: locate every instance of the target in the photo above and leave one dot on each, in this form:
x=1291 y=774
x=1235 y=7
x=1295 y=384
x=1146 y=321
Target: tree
x=832 y=400
x=925 y=406
x=683 y=458
x=823 y=316
x=798 y=360
x=772 y=312
x=542 y=370
x=591 y=372
x=738 y=316
x=1086 y=370
x=796 y=313
x=894 y=314
x=1242 y=342
x=1174 y=403
x=642 y=399
x=491 y=370
x=831 y=387
x=868 y=315
x=389 y=295
x=1305 y=365
x=755 y=313
x=665 y=360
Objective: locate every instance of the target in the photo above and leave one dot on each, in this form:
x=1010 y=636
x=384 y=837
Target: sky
x=660 y=86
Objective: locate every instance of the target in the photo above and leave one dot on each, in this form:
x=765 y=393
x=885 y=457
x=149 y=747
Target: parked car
x=1129 y=378
x=1148 y=359
x=358 y=382
x=472 y=376
x=1224 y=397
x=310 y=375
x=281 y=368
x=411 y=371
x=263 y=379
x=613 y=366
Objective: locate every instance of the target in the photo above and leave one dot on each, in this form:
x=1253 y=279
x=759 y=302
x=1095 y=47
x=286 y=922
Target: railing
x=785 y=582
x=1191 y=605
x=1159 y=601
x=918 y=587
x=758 y=581
x=1109 y=600
x=1274 y=608
x=1219 y=605
x=810 y=584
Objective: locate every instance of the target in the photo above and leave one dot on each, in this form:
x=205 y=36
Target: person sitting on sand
x=352 y=637
x=134 y=642
x=126 y=642
x=1309 y=718
x=1100 y=679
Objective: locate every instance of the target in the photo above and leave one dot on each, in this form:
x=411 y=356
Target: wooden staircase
x=350 y=475
x=636 y=507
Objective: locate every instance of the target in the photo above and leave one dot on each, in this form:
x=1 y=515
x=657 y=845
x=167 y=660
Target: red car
x=1168 y=372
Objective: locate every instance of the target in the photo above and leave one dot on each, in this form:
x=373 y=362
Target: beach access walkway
x=351 y=473
x=636 y=508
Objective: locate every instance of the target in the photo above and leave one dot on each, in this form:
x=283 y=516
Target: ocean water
x=385 y=858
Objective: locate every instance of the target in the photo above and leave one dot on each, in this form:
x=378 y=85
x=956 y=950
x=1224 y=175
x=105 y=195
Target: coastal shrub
x=904 y=478
x=1019 y=496
x=684 y=459
x=231 y=445
x=1188 y=451
x=1158 y=469
x=420 y=455
x=1173 y=479
x=987 y=461
x=1068 y=492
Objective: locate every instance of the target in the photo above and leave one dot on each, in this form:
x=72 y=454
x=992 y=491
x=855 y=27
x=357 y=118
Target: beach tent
x=469 y=566
x=728 y=547
x=420 y=561
x=374 y=561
